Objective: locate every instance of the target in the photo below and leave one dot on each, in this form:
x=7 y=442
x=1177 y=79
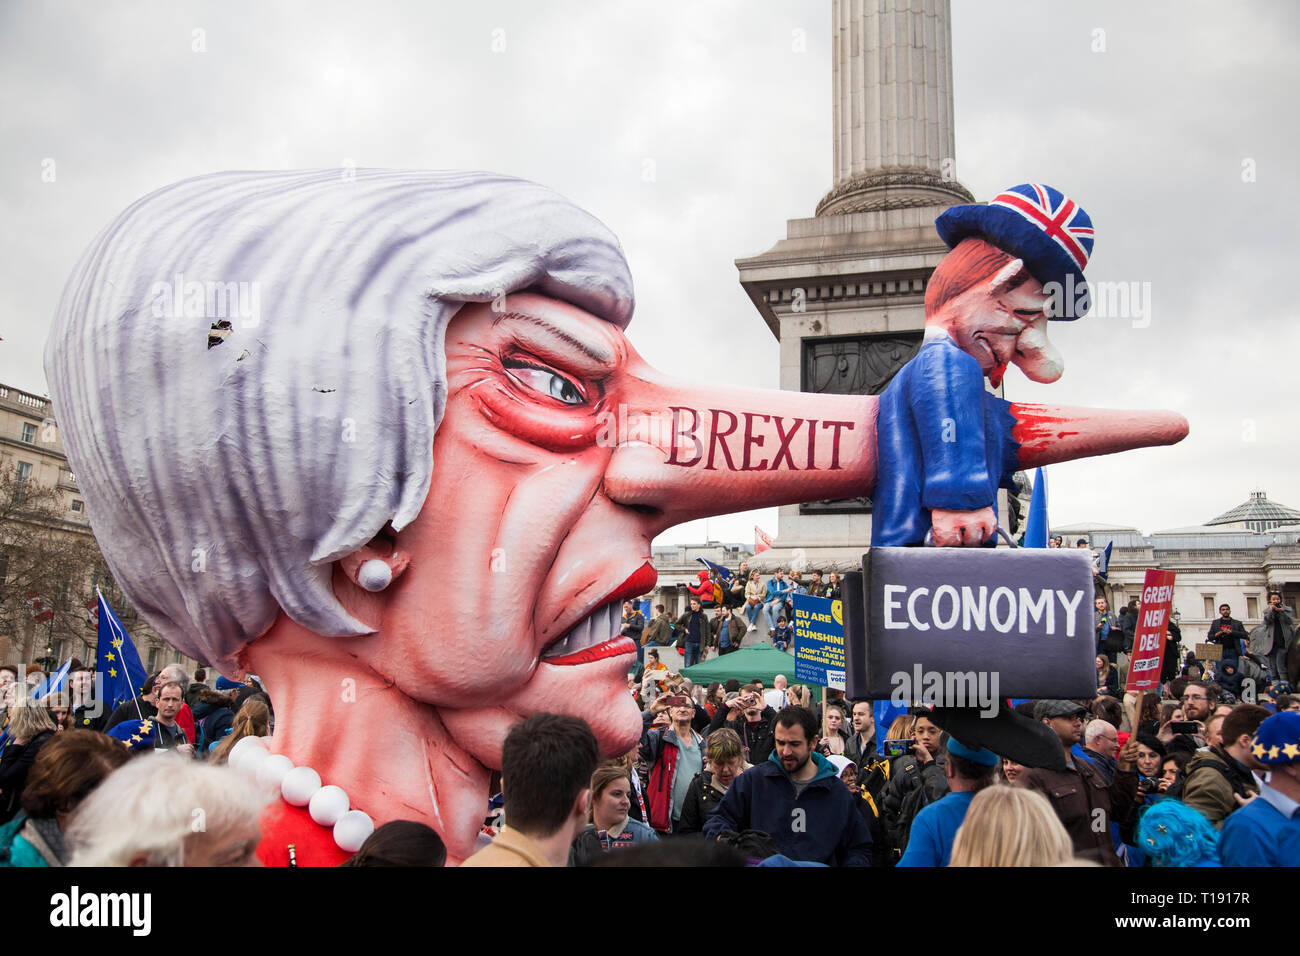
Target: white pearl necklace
x=301 y=787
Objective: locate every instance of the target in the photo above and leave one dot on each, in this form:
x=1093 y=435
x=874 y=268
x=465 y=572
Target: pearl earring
x=375 y=575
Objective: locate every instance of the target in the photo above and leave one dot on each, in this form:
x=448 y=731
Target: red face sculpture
x=508 y=587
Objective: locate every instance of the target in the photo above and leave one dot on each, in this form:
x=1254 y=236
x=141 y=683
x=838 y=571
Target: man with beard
x=1198 y=701
x=1229 y=632
x=796 y=797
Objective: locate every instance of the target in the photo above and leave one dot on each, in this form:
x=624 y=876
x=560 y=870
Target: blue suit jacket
x=942 y=441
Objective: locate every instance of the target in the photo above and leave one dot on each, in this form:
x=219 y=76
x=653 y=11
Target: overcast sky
x=695 y=130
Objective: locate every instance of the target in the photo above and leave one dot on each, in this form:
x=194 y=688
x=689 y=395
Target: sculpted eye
x=544 y=380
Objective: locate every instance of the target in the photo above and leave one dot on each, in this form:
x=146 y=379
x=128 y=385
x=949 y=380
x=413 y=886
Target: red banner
x=1152 y=627
x=762 y=540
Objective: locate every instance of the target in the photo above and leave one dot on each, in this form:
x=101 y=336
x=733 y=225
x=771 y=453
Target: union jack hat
x=1039 y=224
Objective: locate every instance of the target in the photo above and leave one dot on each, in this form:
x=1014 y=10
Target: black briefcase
x=962 y=627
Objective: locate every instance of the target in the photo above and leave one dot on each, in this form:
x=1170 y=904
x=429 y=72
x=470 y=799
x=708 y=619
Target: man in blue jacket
x=969 y=770
x=778 y=591
x=796 y=798
x=1266 y=831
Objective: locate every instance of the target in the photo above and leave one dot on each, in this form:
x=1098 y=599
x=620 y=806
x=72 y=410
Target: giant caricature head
x=994 y=309
x=1016 y=262
x=238 y=485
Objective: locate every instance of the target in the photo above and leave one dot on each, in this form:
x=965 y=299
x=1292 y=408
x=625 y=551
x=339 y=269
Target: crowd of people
x=1188 y=775
x=722 y=608
x=735 y=772
x=1183 y=779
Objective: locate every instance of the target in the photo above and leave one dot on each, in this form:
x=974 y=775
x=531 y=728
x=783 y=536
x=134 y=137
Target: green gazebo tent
x=762 y=661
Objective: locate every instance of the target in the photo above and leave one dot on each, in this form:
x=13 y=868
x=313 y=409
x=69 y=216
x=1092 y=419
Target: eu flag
x=120 y=672
x=723 y=573
x=1103 y=562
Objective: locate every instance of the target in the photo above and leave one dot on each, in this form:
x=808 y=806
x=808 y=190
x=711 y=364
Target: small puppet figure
x=945 y=443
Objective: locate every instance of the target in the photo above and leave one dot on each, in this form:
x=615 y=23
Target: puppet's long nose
x=1036 y=356
x=689 y=452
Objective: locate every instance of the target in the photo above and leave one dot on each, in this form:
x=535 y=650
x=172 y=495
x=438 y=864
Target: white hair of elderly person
x=197 y=454
x=174 y=674
x=163 y=810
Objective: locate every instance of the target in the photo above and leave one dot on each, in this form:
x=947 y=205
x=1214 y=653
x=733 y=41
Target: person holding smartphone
x=1279 y=636
x=750 y=719
x=916 y=779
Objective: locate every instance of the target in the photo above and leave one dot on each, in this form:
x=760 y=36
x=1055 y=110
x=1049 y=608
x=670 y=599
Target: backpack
x=915 y=801
x=1237 y=786
x=211 y=730
x=664 y=634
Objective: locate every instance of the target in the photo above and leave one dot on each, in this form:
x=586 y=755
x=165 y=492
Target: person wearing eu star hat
x=1266 y=831
x=969 y=771
x=1079 y=791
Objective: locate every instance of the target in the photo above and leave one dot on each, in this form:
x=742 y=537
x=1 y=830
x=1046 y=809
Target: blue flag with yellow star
x=120 y=672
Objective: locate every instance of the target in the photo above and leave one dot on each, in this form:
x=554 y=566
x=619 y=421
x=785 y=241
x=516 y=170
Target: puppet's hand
x=963 y=529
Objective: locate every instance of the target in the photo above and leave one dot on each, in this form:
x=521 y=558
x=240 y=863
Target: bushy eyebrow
x=593 y=352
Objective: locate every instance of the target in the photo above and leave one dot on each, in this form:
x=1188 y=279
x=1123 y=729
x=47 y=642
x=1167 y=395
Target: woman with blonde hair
x=900 y=729
x=755 y=590
x=253 y=720
x=726 y=762
x=29 y=728
x=799 y=696
x=611 y=827
x=1011 y=826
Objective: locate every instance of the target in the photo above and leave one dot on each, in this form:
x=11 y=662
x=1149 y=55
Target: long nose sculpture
x=689 y=452
x=1036 y=356
x=710 y=451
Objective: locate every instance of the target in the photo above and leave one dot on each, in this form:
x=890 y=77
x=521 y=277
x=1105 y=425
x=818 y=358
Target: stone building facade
x=1234 y=559
x=30 y=445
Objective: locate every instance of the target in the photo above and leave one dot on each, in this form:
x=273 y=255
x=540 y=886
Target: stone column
x=892 y=102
